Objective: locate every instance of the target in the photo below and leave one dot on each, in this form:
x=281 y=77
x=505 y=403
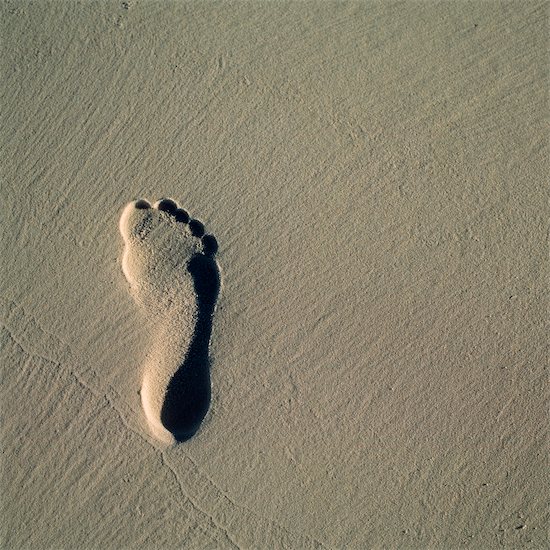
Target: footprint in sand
x=173 y=276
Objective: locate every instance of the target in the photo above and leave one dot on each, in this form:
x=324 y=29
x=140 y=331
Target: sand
x=374 y=174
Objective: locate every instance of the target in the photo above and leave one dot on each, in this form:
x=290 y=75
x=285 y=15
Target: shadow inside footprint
x=188 y=394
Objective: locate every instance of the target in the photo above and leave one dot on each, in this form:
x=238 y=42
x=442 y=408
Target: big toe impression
x=135 y=220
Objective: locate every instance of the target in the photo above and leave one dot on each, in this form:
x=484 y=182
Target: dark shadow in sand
x=188 y=394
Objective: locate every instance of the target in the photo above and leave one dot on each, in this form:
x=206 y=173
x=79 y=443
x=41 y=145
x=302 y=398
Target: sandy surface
x=374 y=175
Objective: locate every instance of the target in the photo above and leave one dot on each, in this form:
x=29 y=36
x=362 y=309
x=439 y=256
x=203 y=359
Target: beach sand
x=373 y=173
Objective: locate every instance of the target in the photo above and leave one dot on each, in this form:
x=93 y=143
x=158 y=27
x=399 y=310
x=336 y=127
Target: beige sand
x=375 y=176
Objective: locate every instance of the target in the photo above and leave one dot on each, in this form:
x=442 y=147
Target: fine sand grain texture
x=375 y=174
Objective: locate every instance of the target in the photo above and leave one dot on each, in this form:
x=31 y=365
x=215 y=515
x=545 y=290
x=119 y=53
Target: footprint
x=169 y=263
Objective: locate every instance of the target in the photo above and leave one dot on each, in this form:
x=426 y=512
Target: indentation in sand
x=169 y=263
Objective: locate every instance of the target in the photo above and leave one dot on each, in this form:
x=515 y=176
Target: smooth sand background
x=374 y=175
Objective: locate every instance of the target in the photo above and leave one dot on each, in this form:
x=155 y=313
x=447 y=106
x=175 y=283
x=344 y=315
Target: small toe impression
x=167 y=205
x=210 y=244
x=181 y=215
x=142 y=204
x=197 y=228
